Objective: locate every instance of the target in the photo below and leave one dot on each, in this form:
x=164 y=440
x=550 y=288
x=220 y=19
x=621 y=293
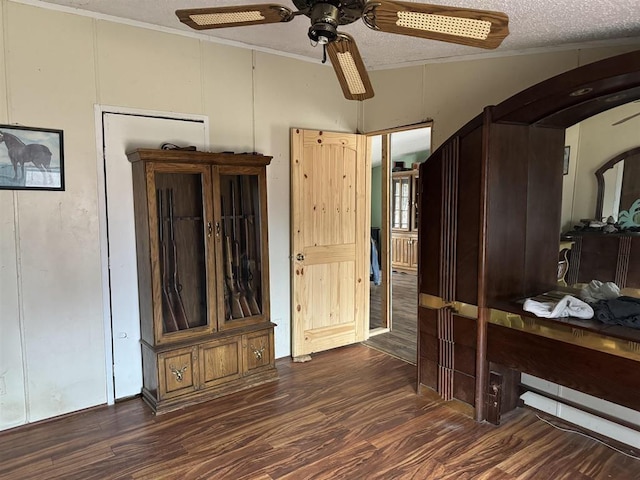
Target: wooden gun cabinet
x=201 y=241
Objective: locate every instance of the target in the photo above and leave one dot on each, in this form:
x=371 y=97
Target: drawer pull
x=258 y=353
x=178 y=372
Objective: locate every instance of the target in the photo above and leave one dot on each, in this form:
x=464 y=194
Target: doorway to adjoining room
x=395 y=160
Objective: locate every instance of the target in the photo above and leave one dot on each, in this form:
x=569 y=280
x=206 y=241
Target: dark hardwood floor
x=401 y=341
x=351 y=413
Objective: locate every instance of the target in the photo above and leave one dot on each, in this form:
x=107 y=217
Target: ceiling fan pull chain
x=324 y=53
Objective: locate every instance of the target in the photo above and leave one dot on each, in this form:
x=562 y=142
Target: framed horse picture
x=31 y=158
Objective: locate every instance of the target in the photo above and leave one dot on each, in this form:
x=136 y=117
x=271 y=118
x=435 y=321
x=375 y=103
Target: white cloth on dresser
x=595 y=290
x=568 y=306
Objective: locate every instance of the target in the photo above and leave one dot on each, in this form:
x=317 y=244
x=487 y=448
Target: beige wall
x=593 y=142
x=572 y=140
x=57 y=66
x=598 y=142
x=452 y=93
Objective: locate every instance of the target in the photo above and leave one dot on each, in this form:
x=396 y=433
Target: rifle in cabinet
x=248 y=257
x=168 y=317
x=242 y=295
x=231 y=283
x=175 y=298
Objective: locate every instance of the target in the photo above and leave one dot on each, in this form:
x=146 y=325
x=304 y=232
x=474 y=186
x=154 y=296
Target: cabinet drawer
x=177 y=372
x=220 y=361
x=258 y=348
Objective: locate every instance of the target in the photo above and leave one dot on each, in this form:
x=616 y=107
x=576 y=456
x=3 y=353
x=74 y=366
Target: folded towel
x=568 y=306
x=595 y=291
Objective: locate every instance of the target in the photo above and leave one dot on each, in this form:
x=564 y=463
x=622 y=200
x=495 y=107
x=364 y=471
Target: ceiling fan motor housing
x=327 y=15
x=324 y=22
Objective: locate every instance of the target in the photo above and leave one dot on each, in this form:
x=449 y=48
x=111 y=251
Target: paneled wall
x=58 y=66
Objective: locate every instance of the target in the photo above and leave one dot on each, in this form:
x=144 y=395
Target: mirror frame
x=600 y=177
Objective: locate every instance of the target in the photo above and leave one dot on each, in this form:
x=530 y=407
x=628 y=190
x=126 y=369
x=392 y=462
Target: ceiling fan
x=477 y=28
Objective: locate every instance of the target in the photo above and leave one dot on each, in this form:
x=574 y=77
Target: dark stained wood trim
x=590 y=371
x=570 y=97
x=483 y=312
x=195 y=157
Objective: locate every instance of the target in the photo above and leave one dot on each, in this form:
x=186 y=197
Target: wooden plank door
x=330 y=216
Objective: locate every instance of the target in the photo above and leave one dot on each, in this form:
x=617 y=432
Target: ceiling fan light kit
x=476 y=28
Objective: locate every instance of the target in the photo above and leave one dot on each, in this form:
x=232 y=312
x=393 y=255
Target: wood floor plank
x=401 y=341
x=351 y=413
x=353 y=461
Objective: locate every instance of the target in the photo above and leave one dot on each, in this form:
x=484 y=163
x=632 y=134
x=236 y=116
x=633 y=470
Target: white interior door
x=121 y=134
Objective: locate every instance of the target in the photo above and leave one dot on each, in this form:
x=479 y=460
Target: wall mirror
x=619 y=189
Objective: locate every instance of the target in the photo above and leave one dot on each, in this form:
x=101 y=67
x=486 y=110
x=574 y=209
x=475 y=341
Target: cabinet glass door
x=182 y=251
x=415 y=202
x=401 y=203
x=241 y=238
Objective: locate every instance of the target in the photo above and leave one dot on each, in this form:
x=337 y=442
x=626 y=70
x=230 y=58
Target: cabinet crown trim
x=194 y=156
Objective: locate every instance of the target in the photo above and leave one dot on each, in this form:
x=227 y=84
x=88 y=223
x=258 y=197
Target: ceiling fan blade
x=476 y=28
x=349 y=67
x=221 y=17
x=625 y=119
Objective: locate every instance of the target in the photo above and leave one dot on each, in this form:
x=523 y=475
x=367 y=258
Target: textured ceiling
x=534 y=24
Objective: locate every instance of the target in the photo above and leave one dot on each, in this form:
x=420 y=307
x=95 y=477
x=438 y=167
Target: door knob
x=300 y=257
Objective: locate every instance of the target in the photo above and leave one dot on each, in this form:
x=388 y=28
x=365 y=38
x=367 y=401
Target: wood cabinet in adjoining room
x=201 y=240
x=404 y=221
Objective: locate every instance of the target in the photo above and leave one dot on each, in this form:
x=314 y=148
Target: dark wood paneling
x=574 y=261
x=507 y=202
x=633 y=274
x=429 y=227
x=464 y=331
x=523 y=214
x=429 y=373
x=605 y=257
x=509 y=386
x=464 y=359
x=598 y=258
x=468 y=221
x=589 y=371
x=428 y=320
x=428 y=347
x=464 y=387
x=543 y=212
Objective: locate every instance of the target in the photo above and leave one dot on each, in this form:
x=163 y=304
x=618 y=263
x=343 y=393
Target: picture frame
x=31 y=158
x=565 y=160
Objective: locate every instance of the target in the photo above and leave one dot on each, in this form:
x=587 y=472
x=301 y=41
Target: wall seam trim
x=253 y=99
x=21 y=323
